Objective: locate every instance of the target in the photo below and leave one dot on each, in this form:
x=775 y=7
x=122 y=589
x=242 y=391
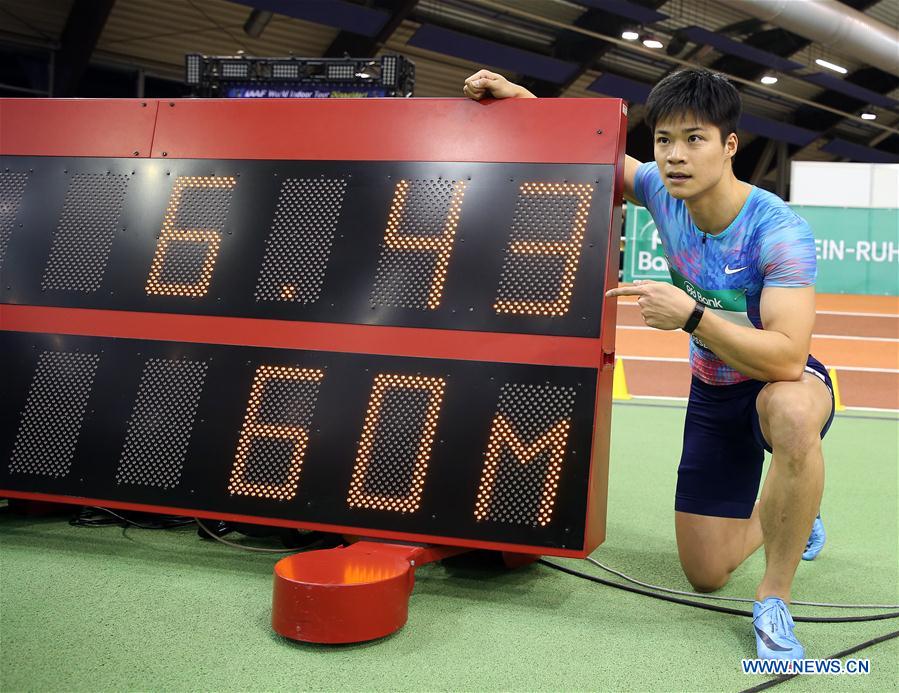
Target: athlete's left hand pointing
x=663 y=305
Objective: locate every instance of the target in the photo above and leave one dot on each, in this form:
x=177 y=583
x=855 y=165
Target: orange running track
x=857 y=336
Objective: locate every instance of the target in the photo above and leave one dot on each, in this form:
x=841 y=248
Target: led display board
x=379 y=335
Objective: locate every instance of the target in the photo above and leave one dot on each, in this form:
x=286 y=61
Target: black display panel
x=485 y=451
x=493 y=247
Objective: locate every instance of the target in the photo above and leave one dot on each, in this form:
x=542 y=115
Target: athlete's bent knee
x=791 y=423
x=709 y=585
x=706 y=581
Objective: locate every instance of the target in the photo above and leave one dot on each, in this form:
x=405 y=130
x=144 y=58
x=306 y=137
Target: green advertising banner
x=857 y=249
x=643 y=254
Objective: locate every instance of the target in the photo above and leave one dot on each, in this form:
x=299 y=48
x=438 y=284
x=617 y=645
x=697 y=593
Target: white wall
x=834 y=184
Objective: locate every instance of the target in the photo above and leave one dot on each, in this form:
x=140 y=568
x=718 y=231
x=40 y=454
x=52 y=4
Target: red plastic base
x=349 y=594
x=518 y=560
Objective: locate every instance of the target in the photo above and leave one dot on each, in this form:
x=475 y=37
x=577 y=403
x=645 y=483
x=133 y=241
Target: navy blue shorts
x=721 y=462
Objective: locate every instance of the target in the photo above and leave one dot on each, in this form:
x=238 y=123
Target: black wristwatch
x=693 y=321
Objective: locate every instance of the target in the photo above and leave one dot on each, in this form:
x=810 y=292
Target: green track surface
x=102 y=609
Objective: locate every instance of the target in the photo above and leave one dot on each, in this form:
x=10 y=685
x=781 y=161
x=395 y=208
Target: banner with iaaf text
x=857 y=249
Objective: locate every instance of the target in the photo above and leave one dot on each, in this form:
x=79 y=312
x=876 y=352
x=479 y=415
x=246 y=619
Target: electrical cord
x=839 y=655
x=240 y=546
x=736 y=612
x=85 y=518
x=713 y=607
x=733 y=599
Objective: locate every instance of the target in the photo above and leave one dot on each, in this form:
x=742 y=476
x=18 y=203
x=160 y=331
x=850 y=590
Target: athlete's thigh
x=710 y=548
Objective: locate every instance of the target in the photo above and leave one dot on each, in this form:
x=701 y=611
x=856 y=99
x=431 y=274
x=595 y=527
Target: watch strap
x=693 y=321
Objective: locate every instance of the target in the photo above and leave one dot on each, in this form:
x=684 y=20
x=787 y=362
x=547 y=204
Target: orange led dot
x=253 y=429
x=502 y=436
x=570 y=250
x=441 y=245
x=211 y=238
x=358 y=496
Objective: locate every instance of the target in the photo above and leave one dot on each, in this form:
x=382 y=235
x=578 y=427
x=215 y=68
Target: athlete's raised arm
x=777 y=352
x=485 y=83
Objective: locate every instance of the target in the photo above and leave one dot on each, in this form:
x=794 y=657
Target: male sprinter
x=743 y=266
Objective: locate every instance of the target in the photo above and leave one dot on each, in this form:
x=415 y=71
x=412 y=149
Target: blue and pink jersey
x=767 y=244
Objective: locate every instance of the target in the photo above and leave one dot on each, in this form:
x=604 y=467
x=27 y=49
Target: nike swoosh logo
x=769 y=642
x=728 y=270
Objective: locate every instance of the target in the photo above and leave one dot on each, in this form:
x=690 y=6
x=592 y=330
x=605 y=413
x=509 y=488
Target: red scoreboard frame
x=552 y=131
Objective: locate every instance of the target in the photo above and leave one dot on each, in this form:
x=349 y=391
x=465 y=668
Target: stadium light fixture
x=831 y=66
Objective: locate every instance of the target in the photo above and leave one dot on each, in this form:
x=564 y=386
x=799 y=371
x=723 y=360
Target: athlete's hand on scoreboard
x=663 y=305
x=485 y=83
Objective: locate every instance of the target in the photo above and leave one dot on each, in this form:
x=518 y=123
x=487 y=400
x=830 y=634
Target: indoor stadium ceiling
x=555 y=47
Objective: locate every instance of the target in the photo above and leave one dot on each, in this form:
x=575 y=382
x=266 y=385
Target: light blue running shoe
x=815 y=540
x=773 y=627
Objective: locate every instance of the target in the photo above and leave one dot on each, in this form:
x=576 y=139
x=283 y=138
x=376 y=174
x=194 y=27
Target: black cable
x=260 y=549
x=94 y=516
x=839 y=655
x=713 y=607
x=720 y=598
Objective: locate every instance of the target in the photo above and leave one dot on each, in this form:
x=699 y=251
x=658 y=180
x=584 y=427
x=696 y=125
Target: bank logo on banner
x=643 y=254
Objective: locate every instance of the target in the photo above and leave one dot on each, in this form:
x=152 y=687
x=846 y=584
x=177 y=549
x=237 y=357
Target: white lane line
x=665 y=398
x=849 y=314
x=669 y=359
x=846 y=313
x=885 y=409
x=675 y=359
x=818 y=336
x=860 y=339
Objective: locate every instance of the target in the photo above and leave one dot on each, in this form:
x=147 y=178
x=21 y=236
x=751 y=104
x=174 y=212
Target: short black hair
x=708 y=95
